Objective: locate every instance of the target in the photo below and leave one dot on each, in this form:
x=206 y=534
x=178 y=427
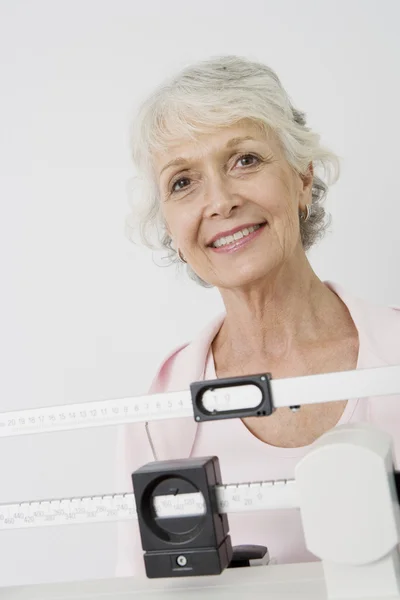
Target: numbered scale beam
x=119 y=507
x=256 y=395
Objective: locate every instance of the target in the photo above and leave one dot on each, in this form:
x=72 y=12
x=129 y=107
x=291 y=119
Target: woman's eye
x=179 y=184
x=248 y=160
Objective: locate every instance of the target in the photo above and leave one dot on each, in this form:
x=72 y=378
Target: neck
x=279 y=316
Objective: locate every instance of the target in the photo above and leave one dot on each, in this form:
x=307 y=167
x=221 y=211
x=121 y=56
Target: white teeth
x=223 y=241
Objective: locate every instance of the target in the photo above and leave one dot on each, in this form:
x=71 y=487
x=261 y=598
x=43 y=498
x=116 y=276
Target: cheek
x=284 y=196
x=282 y=204
x=181 y=224
x=276 y=197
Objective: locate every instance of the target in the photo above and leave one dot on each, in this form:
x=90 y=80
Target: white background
x=85 y=314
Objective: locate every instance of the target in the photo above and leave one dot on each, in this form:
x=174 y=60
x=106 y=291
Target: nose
x=220 y=199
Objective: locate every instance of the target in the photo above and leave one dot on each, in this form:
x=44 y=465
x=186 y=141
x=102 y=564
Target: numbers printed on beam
x=67 y=511
x=309 y=389
x=95 y=414
x=258 y=496
x=117 y=507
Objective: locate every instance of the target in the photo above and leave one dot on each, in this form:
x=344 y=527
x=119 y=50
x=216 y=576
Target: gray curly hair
x=217 y=93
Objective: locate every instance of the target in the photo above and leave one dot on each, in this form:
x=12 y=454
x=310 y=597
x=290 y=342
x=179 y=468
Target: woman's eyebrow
x=238 y=140
x=175 y=163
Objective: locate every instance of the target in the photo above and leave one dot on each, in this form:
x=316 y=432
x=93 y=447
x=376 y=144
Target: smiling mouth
x=235 y=237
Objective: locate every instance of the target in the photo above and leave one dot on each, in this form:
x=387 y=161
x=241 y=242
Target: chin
x=245 y=277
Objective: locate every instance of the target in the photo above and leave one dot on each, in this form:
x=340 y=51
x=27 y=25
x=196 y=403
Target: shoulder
x=378 y=325
x=385 y=319
x=394 y=316
x=381 y=329
x=186 y=363
x=163 y=373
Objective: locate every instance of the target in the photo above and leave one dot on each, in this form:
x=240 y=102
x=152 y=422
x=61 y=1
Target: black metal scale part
x=196 y=545
x=262 y=381
x=186 y=545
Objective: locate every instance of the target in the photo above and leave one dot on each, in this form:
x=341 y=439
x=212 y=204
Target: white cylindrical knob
x=348 y=500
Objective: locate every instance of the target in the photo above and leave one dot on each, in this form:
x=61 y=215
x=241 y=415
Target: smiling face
x=231 y=203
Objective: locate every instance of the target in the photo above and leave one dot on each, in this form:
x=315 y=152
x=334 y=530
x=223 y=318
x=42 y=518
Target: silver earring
x=181 y=258
x=308 y=213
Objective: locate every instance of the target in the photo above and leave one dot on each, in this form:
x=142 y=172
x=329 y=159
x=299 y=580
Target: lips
x=229 y=237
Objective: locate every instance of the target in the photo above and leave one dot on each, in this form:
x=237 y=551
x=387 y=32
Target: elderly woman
x=235 y=182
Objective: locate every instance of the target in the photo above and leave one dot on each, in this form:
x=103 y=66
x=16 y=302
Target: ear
x=307 y=179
